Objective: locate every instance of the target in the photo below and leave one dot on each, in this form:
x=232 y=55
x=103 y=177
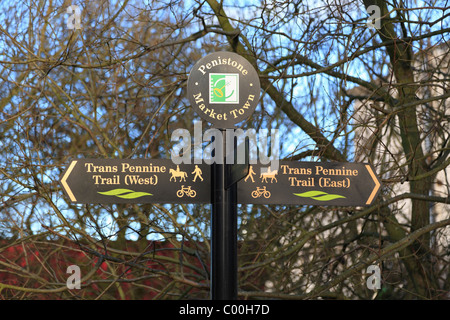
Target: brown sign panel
x=136 y=181
x=162 y=181
x=224 y=89
x=310 y=183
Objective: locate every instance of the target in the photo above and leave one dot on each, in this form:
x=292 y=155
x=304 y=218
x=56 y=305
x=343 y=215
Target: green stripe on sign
x=319 y=195
x=125 y=193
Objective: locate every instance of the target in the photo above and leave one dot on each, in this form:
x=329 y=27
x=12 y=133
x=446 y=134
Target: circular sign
x=223 y=88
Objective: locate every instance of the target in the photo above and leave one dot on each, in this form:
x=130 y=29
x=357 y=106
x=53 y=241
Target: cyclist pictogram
x=261 y=192
x=186 y=191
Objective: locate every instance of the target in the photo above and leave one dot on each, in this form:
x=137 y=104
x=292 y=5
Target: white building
x=377 y=138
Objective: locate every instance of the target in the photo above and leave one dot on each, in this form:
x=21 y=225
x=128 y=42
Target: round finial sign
x=223 y=88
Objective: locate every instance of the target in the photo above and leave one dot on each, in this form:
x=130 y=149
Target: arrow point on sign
x=377 y=185
x=65 y=184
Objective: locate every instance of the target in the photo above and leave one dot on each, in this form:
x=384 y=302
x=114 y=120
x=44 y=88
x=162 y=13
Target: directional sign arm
x=136 y=181
x=377 y=184
x=64 y=181
x=312 y=183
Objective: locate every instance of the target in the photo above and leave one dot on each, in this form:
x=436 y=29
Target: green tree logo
x=223 y=88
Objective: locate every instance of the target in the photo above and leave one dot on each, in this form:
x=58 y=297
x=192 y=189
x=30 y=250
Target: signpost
x=223 y=89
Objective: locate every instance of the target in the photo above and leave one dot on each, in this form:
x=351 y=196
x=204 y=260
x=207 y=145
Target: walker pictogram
x=250 y=174
x=197 y=173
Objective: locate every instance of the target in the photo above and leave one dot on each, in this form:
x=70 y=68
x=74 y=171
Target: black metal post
x=224 y=282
